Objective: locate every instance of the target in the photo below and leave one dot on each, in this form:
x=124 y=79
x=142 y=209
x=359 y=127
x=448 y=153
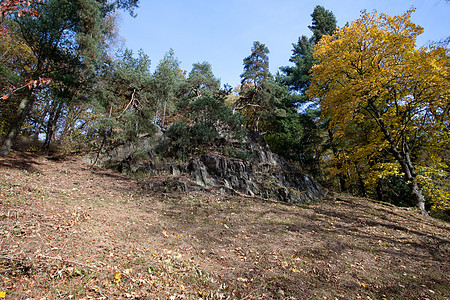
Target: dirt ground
x=70 y=231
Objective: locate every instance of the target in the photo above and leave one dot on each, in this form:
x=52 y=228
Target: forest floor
x=70 y=231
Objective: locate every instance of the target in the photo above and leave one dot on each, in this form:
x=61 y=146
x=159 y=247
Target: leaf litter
x=72 y=231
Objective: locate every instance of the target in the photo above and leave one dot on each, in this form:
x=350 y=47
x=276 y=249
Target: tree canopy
x=297 y=77
x=372 y=81
x=64 y=44
x=253 y=101
x=360 y=108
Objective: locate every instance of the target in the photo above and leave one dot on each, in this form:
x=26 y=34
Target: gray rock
x=263 y=175
x=279 y=181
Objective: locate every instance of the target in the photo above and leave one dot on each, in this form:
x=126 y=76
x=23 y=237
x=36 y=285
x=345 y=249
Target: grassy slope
x=69 y=231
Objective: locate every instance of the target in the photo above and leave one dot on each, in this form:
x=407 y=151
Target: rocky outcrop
x=262 y=173
x=266 y=177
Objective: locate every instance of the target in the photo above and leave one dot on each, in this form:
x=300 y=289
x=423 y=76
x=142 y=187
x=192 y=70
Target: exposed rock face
x=266 y=177
x=263 y=174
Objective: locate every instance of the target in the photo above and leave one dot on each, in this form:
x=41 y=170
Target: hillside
x=70 y=231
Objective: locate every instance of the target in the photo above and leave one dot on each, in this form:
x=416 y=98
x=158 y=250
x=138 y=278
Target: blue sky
x=222 y=32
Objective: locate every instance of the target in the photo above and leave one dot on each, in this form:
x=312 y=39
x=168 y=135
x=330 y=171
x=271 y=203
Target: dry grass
x=69 y=232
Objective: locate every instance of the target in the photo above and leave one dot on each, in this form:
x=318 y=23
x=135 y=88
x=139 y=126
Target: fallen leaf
x=127 y=271
x=117 y=277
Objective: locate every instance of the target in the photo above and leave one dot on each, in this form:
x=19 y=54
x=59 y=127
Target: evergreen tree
x=256 y=66
x=50 y=37
x=201 y=80
x=165 y=83
x=127 y=5
x=323 y=23
x=65 y=39
x=253 y=100
x=308 y=144
x=125 y=98
x=297 y=77
x=204 y=119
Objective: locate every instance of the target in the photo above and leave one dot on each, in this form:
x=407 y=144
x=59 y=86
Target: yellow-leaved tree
x=387 y=101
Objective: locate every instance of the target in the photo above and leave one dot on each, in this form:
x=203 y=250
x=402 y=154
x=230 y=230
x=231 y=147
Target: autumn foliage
x=384 y=102
x=19 y=7
x=387 y=102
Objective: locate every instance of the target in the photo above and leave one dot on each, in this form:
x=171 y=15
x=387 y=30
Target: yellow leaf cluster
x=380 y=92
x=117 y=277
x=435 y=184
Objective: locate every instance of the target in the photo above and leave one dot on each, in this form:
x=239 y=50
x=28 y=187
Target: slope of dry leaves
x=70 y=231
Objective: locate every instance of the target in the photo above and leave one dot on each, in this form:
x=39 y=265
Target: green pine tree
x=253 y=100
x=65 y=39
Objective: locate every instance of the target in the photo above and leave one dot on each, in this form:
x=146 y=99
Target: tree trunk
x=413 y=186
x=342 y=183
x=410 y=179
x=362 y=186
x=403 y=158
x=418 y=197
x=24 y=108
x=164 y=115
x=73 y=113
x=380 y=192
x=51 y=124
